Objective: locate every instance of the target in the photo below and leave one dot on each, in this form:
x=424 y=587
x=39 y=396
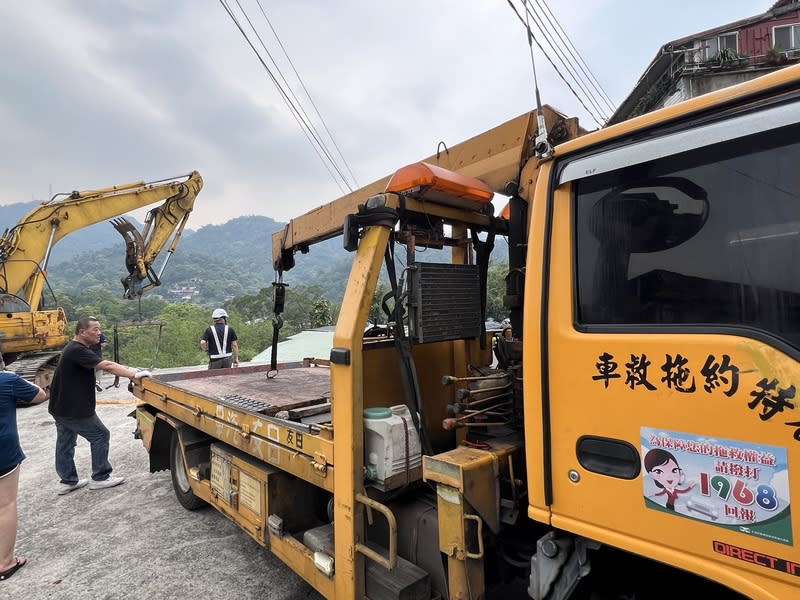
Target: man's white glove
x=140 y=373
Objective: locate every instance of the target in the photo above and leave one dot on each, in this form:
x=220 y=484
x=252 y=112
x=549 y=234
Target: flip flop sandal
x=6 y=574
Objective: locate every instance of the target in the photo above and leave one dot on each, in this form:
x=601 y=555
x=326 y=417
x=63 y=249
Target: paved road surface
x=132 y=541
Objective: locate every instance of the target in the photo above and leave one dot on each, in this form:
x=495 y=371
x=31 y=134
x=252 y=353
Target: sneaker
x=106 y=483
x=97 y=385
x=66 y=488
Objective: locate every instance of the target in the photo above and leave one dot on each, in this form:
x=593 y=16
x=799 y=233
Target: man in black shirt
x=72 y=404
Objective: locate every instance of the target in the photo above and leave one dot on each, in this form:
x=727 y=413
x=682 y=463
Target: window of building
x=786 y=37
x=713 y=46
x=709 y=236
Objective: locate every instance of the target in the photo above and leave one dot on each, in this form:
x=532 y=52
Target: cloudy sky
x=100 y=92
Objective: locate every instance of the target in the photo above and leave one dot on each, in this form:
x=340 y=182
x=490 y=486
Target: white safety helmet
x=219 y=313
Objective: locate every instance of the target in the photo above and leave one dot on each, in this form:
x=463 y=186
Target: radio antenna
x=541 y=144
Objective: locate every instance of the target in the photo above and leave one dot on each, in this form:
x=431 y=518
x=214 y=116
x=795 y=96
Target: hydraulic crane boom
x=494 y=157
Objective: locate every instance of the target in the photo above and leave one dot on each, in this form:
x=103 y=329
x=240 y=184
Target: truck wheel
x=180 y=478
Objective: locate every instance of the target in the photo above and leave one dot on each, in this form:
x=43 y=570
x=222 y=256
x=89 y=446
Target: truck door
x=671 y=415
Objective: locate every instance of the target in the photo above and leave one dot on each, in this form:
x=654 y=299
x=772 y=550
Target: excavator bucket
x=134 y=259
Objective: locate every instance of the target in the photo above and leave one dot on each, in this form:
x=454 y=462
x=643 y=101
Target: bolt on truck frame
x=634 y=434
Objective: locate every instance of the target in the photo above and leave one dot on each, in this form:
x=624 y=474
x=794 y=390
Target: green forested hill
x=231 y=265
x=228 y=260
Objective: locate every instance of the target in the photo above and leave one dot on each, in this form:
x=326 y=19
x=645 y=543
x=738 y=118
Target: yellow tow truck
x=633 y=436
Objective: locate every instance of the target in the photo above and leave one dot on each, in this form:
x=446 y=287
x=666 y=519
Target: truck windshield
x=710 y=236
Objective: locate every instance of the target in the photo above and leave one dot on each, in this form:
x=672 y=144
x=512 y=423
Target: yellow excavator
x=32 y=334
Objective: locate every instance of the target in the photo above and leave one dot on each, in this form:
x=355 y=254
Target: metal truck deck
x=295 y=386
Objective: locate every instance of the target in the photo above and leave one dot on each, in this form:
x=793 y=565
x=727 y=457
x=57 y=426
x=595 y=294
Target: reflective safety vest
x=220 y=347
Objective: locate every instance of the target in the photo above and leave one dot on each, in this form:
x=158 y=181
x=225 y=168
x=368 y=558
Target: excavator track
x=38 y=369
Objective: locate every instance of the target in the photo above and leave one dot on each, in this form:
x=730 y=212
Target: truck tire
x=180 y=478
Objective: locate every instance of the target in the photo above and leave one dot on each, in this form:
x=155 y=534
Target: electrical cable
x=292 y=110
x=286 y=100
x=567 y=64
x=573 y=51
x=558 y=72
x=308 y=94
x=287 y=90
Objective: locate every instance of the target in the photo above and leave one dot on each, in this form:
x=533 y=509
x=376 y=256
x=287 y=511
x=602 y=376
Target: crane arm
x=25 y=248
x=496 y=157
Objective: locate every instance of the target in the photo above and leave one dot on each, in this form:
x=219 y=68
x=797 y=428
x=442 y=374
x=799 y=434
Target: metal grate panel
x=243 y=402
x=445 y=302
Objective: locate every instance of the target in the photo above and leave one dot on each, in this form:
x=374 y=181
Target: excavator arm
x=25 y=248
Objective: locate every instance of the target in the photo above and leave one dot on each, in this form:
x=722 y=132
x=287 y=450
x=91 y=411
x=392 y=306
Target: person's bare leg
x=8 y=519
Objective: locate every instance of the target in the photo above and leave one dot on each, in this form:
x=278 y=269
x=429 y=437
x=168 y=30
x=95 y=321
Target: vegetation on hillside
x=155 y=333
x=231 y=264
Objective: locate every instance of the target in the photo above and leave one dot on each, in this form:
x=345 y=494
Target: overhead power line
x=308 y=94
x=562 y=55
x=566 y=62
x=531 y=39
x=574 y=51
x=291 y=100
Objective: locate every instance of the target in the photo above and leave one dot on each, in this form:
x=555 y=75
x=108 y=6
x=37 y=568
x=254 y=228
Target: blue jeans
x=92 y=429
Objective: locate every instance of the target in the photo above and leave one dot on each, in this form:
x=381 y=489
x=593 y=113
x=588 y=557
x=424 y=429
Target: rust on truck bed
x=248 y=388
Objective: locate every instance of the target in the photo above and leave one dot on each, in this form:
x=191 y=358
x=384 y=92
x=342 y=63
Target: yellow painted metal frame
x=347 y=402
x=495 y=157
x=35 y=330
x=27 y=244
x=532 y=391
x=301 y=560
x=467 y=489
x=287 y=548
x=260 y=437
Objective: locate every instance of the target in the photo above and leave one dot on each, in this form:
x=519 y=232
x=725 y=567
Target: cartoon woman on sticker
x=667 y=475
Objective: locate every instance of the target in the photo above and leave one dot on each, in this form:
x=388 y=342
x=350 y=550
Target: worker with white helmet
x=220 y=342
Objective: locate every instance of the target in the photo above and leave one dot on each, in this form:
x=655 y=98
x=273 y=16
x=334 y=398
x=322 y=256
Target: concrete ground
x=132 y=541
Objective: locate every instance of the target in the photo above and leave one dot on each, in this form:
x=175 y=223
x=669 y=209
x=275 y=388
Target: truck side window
x=710 y=236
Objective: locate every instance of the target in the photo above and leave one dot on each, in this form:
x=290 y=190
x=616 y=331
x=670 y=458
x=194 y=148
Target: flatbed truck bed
x=256 y=415
x=249 y=388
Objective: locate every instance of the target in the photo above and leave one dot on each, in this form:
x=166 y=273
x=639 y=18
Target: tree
x=300 y=300
x=495 y=290
x=253 y=308
x=184 y=325
x=376 y=314
x=320 y=313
